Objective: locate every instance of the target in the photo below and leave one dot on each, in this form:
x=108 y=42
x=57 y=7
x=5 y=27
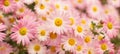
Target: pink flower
x=35 y=47
x=24 y=30
x=58 y=22
x=2 y=28
x=111 y=26
x=5 y=48
x=7 y=6
x=115 y=3
x=102 y=46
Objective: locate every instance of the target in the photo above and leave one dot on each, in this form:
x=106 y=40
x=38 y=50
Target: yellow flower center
x=37 y=47
x=44 y=18
x=11 y=20
x=53 y=49
x=95 y=9
x=16 y=0
x=79 y=29
x=6 y=3
x=89 y=52
x=87 y=39
x=58 y=22
x=103 y=46
x=65 y=8
x=79 y=1
x=83 y=21
x=100 y=37
x=42 y=6
x=79 y=48
x=23 y=31
x=72 y=21
x=109 y=25
x=46 y=0
x=42 y=32
x=53 y=35
x=57 y=6
x=91 y=26
x=2 y=48
x=21 y=10
x=71 y=41
x=106 y=11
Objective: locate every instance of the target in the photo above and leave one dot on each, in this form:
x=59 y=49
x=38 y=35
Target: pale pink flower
x=35 y=47
x=115 y=3
x=102 y=46
x=5 y=48
x=7 y=6
x=24 y=30
x=111 y=26
x=28 y=1
x=52 y=49
x=58 y=22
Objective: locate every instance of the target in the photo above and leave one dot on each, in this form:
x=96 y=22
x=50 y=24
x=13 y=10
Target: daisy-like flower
x=102 y=46
x=52 y=49
x=5 y=48
x=7 y=6
x=42 y=8
x=94 y=10
x=111 y=26
x=69 y=41
x=43 y=33
x=88 y=38
x=28 y=1
x=115 y=3
x=24 y=30
x=58 y=22
x=18 y=3
x=35 y=47
x=2 y=28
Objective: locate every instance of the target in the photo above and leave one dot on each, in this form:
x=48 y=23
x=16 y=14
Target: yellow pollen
x=100 y=37
x=83 y=21
x=79 y=48
x=6 y=3
x=79 y=29
x=23 y=31
x=106 y=11
x=103 y=46
x=53 y=35
x=42 y=6
x=46 y=0
x=91 y=26
x=42 y=32
x=1 y=16
x=36 y=1
x=52 y=49
x=11 y=20
x=79 y=1
x=87 y=39
x=21 y=10
x=57 y=6
x=58 y=22
x=95 y=9
x=37 y=47
x=89 y=52
x=72 y=21
x=65 y=8
x=44 y=18
x=109 y=25
x=16 y=0
x=71 y=41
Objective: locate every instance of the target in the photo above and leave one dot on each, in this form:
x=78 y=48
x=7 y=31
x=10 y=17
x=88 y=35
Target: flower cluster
x=59 y=27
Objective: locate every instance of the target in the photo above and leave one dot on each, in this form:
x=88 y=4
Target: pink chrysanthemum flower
x=111 y=26
x=102 y=46
x=5 y=48
x=58 y=22
x=52 y=49
x=35 y=47
x=115 y=3
x=24 y=30
x=2 y=28
x=7 y=5
x=94 y=10
x=69 y=41
x=28 y=1
x=19 y=3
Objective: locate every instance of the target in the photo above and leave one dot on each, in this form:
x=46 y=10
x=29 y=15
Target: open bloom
x=5 y=48
x=111 y=27
x=35 y=47
x=24 y=30
x=58 y=22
